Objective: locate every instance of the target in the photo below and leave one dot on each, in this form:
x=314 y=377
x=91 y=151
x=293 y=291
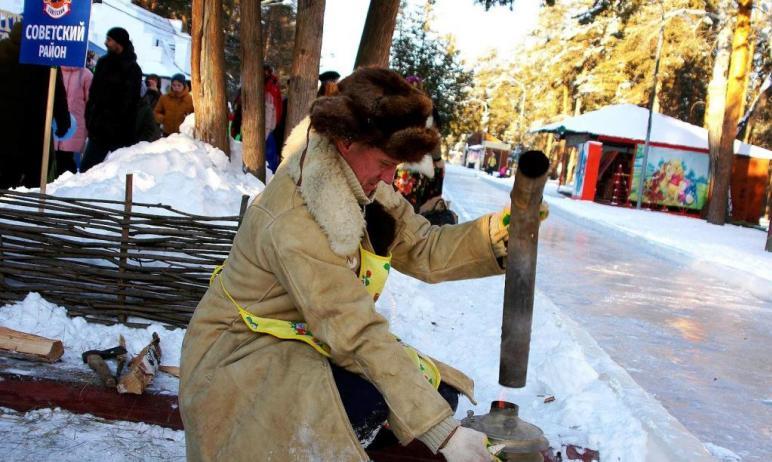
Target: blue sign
x=55 y=32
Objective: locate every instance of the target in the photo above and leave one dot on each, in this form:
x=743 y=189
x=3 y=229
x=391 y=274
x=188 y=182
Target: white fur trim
x=424 y=167
x=324 y=188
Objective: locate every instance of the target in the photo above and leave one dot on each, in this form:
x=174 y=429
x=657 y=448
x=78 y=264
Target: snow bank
x=180 y=171
x=36 y=315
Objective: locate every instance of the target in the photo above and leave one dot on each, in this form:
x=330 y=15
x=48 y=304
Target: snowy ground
x=597 y=404
x=689 y=329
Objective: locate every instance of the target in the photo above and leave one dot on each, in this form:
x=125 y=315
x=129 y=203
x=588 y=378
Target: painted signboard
x=674 y=177
x=587 y=170
x=55 y=32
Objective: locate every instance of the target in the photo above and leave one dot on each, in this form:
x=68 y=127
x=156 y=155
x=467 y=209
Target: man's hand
x=499 y=228
x=466 y=445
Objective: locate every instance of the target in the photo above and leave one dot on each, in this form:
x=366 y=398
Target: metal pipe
x=520 y=280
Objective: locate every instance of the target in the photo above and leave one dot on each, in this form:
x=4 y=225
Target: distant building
x=606 y=160
x=162 y=48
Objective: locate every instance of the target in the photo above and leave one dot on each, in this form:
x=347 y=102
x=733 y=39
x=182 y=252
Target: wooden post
x=520 y=281
x=125 y=244
x=243 y=208
x=47 y=134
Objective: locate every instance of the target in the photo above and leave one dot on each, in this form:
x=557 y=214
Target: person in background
x=327 y=83
x=421 y=182
x=174 y=106
x=152 y=90
x=91 y=60
x=491 y=166
x=146 y=127
x=273 y=114
x=23 y=98
x=77 y=82
x=111 y=112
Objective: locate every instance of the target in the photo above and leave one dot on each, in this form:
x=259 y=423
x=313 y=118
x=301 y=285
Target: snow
x=56 y=435
x=737 y=247
x=179 y=171
x=34 y=314
x=597 y=404
x=630 y=121
x=722 y=454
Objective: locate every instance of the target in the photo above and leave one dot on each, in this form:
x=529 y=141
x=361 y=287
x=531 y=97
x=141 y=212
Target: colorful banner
x=55 y=32
x=674 y=177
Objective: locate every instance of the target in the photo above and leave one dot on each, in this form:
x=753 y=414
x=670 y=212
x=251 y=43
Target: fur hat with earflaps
x=377 y=107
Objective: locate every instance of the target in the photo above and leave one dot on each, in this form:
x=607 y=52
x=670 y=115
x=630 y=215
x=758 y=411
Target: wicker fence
x=108 y=260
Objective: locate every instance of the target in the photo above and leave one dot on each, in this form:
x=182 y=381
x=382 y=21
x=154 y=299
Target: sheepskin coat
x=247 y=396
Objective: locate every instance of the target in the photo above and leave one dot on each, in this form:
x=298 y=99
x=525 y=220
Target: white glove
x=466 y=445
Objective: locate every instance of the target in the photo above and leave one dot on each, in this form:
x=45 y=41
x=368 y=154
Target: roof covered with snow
x=630 y=121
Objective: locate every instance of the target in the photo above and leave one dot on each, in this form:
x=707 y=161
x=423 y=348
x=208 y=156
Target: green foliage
x=416 y=50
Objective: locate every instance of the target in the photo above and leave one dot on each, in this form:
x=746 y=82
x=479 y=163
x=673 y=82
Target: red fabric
x=272 y=87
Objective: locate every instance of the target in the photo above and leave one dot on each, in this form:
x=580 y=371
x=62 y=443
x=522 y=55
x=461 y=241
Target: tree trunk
x=208 y=74
x=252 y=89
x=305 y=61
x=768 y=247
x=714 y=105
x=375 y=44
x=735 y=93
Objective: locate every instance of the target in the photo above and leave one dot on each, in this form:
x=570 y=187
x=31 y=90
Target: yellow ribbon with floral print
x=373 y=272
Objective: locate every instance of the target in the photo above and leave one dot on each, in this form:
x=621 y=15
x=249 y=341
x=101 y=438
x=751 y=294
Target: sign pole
x=47 y=129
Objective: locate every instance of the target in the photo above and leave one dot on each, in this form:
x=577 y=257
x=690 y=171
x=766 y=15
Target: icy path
x=699 y=344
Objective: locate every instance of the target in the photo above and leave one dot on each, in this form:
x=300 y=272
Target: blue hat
x=179 y=78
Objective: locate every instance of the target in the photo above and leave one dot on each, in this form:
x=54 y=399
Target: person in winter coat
x=152 y=90
x=77 y=81
x=174 y=106
x=23 y=97
x=286 y=357
x=146 y=127
x=111 y=111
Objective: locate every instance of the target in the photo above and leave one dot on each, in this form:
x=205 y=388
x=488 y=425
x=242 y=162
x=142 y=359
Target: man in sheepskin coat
x=286 y=357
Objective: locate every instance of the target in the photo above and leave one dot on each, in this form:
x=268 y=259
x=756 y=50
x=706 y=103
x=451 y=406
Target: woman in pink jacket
x=77 y=81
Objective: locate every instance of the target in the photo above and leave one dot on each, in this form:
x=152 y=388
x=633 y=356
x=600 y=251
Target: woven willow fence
x=108 y=260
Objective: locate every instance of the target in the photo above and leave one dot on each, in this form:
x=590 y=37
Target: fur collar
x=330 y=190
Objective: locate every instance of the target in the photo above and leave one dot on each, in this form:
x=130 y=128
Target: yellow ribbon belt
x=373 y=272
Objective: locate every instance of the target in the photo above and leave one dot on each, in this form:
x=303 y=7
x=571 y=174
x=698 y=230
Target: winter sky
x=476 y=31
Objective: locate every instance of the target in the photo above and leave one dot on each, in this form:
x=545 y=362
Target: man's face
x=177 y=86
x=370 y=165
x=152 y=84
x=113 y=46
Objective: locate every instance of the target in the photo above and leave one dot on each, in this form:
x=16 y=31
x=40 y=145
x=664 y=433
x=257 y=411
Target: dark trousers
x=95 y=153
x=65 y=162
x=365 y=406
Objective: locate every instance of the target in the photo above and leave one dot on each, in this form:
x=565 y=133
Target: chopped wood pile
x=107 y=260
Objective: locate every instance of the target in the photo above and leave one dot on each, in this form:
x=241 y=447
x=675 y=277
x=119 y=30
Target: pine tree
x=416 y=50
